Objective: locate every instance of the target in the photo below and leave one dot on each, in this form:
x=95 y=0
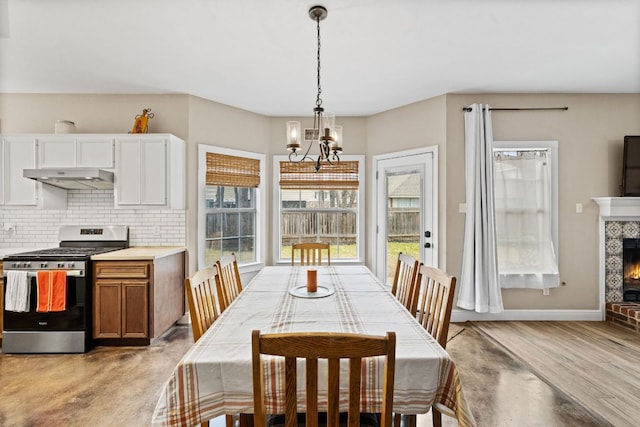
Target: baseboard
x=459 y=315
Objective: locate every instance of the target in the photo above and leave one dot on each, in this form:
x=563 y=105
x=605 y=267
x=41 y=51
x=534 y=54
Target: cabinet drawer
x=122 y=269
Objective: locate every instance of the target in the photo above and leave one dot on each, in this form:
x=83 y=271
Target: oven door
x=73 y=318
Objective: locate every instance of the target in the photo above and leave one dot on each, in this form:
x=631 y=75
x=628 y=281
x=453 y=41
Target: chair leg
x=245 y=420
x=410 y=420
x=404 y=420
x=437 y=417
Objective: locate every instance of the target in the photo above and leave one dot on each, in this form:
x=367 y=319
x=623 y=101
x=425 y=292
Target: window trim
x=261 y=220
x=552 y=147
x=277 y=202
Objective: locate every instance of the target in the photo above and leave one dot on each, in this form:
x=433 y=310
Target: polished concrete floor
x=119 y=386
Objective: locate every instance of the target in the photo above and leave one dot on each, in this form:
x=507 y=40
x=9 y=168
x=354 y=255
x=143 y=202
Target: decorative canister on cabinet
x=65 y=126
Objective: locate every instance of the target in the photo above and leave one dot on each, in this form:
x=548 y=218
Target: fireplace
x=631 y=270
x=620 y=245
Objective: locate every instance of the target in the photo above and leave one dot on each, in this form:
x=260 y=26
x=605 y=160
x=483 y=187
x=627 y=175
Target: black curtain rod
x=521 y=109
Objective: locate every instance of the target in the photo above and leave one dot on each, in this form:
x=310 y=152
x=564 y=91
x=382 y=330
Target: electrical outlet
x=156 y=230
x=462 y=208
x=545 y=291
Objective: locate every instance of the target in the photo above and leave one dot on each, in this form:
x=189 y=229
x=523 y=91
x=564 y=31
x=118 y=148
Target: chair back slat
x=436 y=301
x=333 y=347
x=404 y=287
x=310 y=253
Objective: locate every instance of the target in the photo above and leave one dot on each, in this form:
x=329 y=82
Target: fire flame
x=633 y=272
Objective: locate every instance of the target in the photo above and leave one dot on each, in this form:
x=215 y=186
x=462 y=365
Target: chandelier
x=325 y=133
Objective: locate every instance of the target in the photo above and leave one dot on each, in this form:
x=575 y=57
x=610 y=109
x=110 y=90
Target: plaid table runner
x=215 y=377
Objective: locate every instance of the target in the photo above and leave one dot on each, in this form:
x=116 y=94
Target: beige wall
x=590 y=136
x=590 y=139
x=92 y=113
x=211 y=123
x=421 y=124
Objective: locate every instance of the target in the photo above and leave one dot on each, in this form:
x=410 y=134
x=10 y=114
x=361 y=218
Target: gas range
x=31 y=325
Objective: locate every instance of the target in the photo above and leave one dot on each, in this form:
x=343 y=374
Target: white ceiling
x=259 y=55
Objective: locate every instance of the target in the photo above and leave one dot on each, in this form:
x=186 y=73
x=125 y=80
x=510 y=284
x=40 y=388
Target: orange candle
x=312 y=280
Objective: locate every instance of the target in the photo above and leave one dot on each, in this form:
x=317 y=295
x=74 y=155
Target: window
x=230 y=213
x=229 y=219
x=526 y=205
x=320 y=206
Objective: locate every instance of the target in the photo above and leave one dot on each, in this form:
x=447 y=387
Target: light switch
x=578 y=207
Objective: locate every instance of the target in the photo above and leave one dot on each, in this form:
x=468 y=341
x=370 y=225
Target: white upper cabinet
x=150 y=171
x=57 y=151
x=16 y=154
x=149 y=168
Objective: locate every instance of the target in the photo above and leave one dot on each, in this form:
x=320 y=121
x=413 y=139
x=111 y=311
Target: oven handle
x=70 y=273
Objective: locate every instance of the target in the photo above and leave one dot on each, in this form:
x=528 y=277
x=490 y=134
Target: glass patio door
x=406 y=210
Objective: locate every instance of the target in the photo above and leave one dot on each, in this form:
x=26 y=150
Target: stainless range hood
x=73 y=178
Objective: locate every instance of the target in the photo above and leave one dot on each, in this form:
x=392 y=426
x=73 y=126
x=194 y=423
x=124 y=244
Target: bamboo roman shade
x=232 y=171
x=303 y=176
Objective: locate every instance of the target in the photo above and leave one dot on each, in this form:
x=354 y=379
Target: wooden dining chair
x=202 y=298
x=229 y=279
x=435 y=301
x=404 y=286
x=202 y=291
x=436 y=289
x=310 y=253
x=312 y=346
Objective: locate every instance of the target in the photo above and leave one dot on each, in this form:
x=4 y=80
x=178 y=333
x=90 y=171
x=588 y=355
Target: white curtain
x=526 y=253
x=479 y=286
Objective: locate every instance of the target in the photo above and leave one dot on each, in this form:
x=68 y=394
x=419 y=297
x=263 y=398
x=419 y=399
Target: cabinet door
x=94 y=152
x=153 y=183
x=135 y=309
x=128 y=172
x=57 y=152
x=18 y=154
x=70 y=151
x=141 y=171
x=107 y=313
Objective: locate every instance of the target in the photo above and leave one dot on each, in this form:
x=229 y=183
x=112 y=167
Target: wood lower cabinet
x=121 y=309
x=136 y=301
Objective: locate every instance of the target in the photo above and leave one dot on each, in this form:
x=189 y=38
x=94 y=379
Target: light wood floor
x=594 y=363
x=112 y=386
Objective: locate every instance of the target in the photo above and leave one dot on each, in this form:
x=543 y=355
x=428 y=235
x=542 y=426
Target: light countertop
x=139 y=253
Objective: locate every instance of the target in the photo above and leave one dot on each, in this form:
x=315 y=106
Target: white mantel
x=619 y=207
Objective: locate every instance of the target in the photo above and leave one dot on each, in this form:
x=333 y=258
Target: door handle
x=427 y=234
x=427 y=245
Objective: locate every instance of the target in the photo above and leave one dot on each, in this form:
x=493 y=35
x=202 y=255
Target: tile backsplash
x=39 y=228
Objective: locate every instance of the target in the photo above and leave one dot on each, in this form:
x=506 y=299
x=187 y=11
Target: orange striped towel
x=52 y=291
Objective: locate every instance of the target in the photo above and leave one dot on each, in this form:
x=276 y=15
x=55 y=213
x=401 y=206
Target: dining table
x=214 y=377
